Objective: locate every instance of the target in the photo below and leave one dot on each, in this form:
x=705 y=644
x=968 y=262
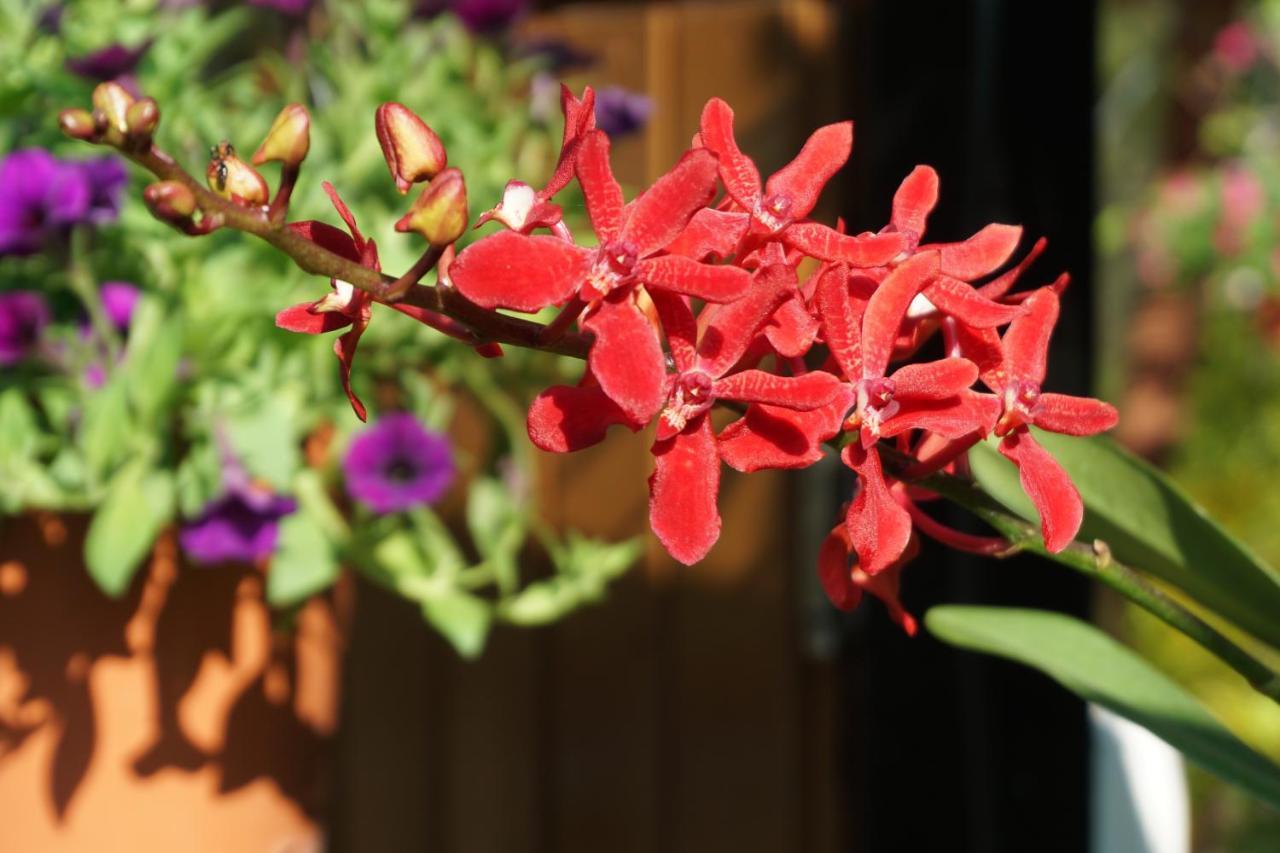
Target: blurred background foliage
x=1188 y=237
x=205 y=387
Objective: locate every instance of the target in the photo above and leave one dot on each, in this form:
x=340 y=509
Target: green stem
x=85 y=287
x=1095 y=561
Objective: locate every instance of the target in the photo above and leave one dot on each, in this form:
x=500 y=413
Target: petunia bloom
x=620 y=112
x=397 y=464
x=240 y=526
x=24 y=314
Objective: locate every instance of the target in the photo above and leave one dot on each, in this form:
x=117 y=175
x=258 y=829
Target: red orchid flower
x=844 y=584
x=777 y=210
x=1015 y=371
x=527 y=273
x=345 y=306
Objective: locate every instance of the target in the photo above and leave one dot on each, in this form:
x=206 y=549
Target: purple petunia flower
x=120 y=298
x=620 y=112
x=109 y=63
x=239 y=527
x=478 y=16
x=41 y=195
x=397 y=463
x=106 y=177
x=23 y=317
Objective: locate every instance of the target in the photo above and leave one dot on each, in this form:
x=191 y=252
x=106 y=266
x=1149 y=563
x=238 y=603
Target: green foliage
x=138 y=505
x=1098 y=669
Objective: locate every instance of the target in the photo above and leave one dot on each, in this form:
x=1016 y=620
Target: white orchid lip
x=339 y=299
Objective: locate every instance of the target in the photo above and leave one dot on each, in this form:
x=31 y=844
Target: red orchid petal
x=579 y=117
x=982 y=254
x=879 y=528
x=914 y=201
x=887 y=307
x=841 y=320
x=692 y=278
x=886 y=586
x=1074 y=415
x=774 y=437
x=710 y=233
x=1000 y=285
x=791 y=329
x=344 y=212
x=801 y=181
x=345 y=349
x=565 y=418
x=953 y=417
x=986 y=546
x=982 y=347
x=1050 y=489
x=826 y=244
x=734 y=324
x=1026 y=341
x=683 y=490
x=739 y=174
x=834 y=571
x=626 y=357
x=805 y=392
x=661 y=212
x=945 y=377
x=327 y=237
x=599 y=187
x=679 y=326
x=959 y=299
x=300 y=318
x=517 y=271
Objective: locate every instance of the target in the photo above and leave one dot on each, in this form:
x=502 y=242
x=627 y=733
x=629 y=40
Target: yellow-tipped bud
x=440 y=213
x=289 y=138
x=233 y=178
x=170 y=201
x=111 y=103
x=142 y=117
x=414 y=153
x=78 y=124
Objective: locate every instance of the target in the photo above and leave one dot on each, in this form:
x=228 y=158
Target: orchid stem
x=1096 y=561
x=560 y=326
x=396 y=290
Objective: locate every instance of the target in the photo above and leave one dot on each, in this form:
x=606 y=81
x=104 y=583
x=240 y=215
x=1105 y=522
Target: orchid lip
x=612 y=267
x=692 y=394
x=774 y=213
x=1021 y=400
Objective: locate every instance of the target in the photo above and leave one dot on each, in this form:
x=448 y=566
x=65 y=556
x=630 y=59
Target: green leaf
x=138 y=505
x=497 y=528
x=106 y=429
x=462 y=618
x=1151 y=524
x=18 y=431
x=151 y=368
x=266 y=441
x=304 y=563
x=1098 y=669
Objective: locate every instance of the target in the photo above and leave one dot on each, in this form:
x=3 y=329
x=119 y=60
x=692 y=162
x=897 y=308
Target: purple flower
x=286 y=7
x=240 y=526
x=119 y=298
x=41 y=195
x=478 y=16
x=397 y=463
x=23 y=316
x=620 y=112
x=112 y=61
x=559 y=55
x=106 y=178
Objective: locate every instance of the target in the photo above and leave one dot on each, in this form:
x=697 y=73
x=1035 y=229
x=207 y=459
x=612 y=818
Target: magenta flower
x=119 y=299
x=397 y=463
x=41 y=196
x=23 y=316
x=241 y=526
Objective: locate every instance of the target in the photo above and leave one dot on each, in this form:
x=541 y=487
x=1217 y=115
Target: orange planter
x=174 y=719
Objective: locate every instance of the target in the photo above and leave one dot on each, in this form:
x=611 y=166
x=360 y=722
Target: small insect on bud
x=289 y=138
x=233 y=178
x=414 y=153
x=78 y=124
x=111 y=103
x=440 y=213
x=170 y=201
x=142 y=117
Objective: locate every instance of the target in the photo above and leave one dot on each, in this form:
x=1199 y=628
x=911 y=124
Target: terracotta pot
x=177 y=718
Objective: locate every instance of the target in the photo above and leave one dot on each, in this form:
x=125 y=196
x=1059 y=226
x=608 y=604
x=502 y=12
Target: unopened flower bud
x=233 y=178
x=413 y=151
x=78 y=124
x=111 y=103
x=170 y=201
x=289 y=138
x=440 y=213
x=142 y=117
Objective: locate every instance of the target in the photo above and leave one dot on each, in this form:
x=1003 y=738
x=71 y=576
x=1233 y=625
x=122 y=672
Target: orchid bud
x=289 y=138
x=78 y=124
x=111 y=103
x=440 y=213
x=413 y=151
x=170 y=201
x=233 y=178
x=142 y=117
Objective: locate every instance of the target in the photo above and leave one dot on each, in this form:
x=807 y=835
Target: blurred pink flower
x=1236 y=47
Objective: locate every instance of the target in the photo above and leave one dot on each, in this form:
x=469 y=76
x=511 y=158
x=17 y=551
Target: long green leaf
x=1098 y=669
x=1152 y=525
x=137 y=506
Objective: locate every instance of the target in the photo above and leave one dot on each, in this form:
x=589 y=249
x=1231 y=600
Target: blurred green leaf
x=265 y=437
x=151 y=370
x=497 y=527
x=462 y=618
x=138 y=504
x=1098 y=669
x=106 y=430
x=1151 y=524
x=304 y=563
